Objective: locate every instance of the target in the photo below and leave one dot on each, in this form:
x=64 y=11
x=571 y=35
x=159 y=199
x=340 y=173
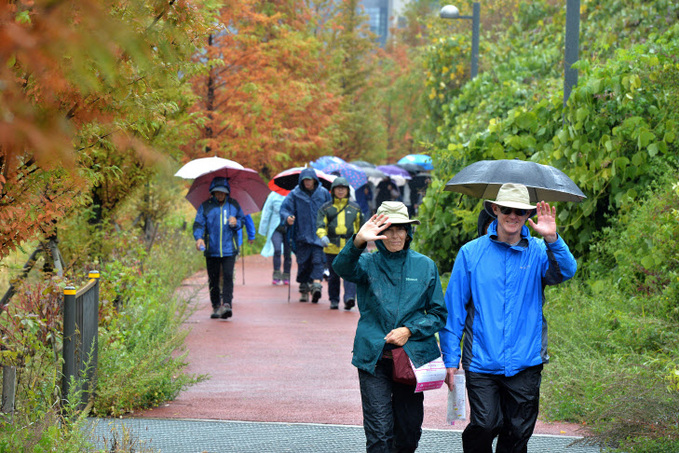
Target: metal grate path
x=210 y=436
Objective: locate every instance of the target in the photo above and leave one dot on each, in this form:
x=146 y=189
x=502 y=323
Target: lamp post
x=451 y=12
x=571 y=49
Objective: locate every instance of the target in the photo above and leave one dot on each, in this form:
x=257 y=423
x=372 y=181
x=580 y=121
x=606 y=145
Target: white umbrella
x=204 y=165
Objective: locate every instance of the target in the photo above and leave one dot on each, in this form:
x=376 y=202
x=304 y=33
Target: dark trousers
x=392 y=412
x=334 y=282
x=215 y=267
x=278 y=239
x=310 y=262
x=506 y=407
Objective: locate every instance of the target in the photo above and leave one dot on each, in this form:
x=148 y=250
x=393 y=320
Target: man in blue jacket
x=299 y=210
x=495 y=297
x=215 y=230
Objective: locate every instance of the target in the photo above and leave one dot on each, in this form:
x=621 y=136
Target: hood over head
x=308 y=173
x=220 y=184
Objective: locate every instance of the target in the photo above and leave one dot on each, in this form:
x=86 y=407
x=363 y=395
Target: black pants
x=215 y=266
x=502 y=406
x=335 y=281
x=392 y=412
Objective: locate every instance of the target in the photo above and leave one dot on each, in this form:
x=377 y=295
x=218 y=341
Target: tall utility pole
x=572 y=48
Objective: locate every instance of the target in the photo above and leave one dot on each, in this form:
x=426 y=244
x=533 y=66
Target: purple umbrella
x=355 y=175
x=394 y=170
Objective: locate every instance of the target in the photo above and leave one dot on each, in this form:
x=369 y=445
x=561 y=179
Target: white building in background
x=384 y=15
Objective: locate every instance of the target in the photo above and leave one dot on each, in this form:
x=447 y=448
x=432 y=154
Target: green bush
x=614 y=338
x=617 y=134
x=138 y=364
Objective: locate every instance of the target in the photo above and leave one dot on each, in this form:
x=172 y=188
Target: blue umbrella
x=355 y=175
x=422 y=160
x=324 y=161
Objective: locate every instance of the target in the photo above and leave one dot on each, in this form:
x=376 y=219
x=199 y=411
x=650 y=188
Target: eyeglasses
x=506 y=211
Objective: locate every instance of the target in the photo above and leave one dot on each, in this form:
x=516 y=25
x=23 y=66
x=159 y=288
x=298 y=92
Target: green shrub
x=613 y=340
x=138 y=362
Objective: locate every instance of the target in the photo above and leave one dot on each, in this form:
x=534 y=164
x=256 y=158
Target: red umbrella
x=278 y=190
x=289 y=179
x=247 y=188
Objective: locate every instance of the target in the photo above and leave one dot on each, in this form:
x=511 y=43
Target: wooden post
x=9 y=384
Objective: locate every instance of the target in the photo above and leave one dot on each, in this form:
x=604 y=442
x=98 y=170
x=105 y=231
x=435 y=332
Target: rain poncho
x=270 y=220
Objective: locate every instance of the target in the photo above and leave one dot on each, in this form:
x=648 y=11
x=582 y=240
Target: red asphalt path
x=275 y=361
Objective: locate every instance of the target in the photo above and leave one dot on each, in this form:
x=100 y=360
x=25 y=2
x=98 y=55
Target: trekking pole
x=289 y=285
x=243 y=262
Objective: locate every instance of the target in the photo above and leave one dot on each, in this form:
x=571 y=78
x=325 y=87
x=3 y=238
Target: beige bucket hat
x=512 y=196
x=396 y=212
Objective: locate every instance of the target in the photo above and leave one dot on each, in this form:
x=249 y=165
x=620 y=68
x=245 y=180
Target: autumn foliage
x=90 y=95
x=264 y=97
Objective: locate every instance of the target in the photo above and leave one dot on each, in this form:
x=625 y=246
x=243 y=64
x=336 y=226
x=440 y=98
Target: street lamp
x=570 y=76
x=451 y=12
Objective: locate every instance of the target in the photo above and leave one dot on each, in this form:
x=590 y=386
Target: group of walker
x=490 y=321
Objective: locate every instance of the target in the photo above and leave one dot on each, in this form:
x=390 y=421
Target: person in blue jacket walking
x=299 y=210
x=215 y=230
x=495 y=297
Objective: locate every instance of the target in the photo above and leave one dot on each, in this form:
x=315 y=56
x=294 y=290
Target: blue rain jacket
x=495 y=297
x=304 y=205
x=212 y=225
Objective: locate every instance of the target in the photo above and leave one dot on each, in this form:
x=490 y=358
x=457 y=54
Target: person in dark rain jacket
x=400 y=301
x=215 y=230
x=299 y=210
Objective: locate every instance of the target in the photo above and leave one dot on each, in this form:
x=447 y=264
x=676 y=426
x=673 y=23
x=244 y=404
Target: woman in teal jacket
x=401 y=304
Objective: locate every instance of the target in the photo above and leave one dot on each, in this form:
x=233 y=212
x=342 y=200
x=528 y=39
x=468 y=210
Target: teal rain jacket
x=495 y=298
x=400 y=289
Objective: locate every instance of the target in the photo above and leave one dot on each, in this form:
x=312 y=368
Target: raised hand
x=370 y=231
x=546 y=224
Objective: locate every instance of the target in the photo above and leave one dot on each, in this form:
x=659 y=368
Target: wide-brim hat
x=220 y=189
x=512 y=196
x=397 y=213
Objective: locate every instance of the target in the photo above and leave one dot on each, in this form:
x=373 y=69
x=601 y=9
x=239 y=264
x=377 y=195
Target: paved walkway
x=281 y=380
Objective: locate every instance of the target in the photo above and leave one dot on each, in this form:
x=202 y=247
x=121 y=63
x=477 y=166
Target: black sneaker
x=334 y=305
x=215 y=313
x=225 y=311
x=349 y=304
x=304 y=297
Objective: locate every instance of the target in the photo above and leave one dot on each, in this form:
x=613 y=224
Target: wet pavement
x=281 y=380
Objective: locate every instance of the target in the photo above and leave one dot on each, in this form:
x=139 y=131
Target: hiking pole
x=289 y=285
x=243 y=262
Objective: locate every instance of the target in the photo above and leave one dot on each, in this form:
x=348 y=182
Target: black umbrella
x=289 y=179
x=545 y=183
